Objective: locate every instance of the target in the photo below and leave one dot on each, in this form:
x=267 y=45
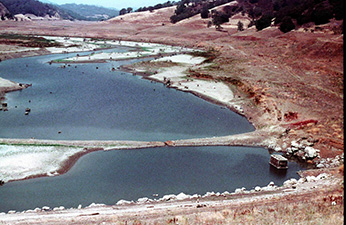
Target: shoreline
x=151 y=210
x=84 y=146
x=250 y=139
x=65 y=167
x=9 y=86
x=207 y=98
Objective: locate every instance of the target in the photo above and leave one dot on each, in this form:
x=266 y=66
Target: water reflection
x=278 y=173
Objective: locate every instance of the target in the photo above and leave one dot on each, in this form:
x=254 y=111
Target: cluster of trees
x=289 y=13
x=189 y=8
x=149 y=8
x=124 y=11
x=28 y=7
x=158 y=6
x=220 y=17
x=37 y=8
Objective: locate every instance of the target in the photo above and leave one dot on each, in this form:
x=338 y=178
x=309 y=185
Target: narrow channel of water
x=107 y=177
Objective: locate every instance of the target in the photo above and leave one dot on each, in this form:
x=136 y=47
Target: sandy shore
x=173 y=71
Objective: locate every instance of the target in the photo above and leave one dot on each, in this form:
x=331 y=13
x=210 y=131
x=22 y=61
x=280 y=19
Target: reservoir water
x=107 y=177
x=90 y=101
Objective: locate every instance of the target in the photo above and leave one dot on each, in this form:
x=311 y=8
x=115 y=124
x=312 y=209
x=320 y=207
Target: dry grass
x=321 y=207
x=301 y=213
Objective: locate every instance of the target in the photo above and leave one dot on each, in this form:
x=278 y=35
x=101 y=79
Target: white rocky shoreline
x=302 y=185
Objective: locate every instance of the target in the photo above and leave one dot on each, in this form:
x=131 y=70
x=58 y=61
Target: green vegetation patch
x=59 y=61
x=146 y=49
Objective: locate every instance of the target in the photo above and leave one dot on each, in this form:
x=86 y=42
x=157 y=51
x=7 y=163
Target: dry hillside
x=156 y=17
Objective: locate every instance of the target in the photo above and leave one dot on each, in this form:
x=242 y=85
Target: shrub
x=205 y=13
x=219 y=18
x=240 y=26
x=123 y=11
x=286 y=24
x=264 y=21
x=322 y=13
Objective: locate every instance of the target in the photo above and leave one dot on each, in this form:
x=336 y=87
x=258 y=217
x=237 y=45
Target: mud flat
x=139 y=49
x=7 y=86
x=173 y=71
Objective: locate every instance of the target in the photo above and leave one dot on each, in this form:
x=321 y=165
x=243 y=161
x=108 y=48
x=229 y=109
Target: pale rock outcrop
x=124 y=202
x=303 y=149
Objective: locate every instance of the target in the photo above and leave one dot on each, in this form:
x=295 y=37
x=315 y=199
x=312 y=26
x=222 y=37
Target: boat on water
x=278 y=161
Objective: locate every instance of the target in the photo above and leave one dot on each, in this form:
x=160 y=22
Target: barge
x=278 y=161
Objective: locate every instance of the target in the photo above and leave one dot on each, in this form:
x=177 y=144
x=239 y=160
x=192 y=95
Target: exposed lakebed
x=92 y=101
